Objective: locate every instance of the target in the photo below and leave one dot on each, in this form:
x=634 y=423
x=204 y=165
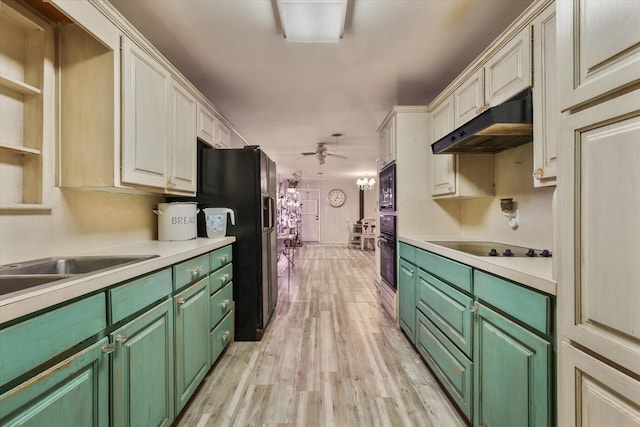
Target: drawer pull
x=224 y=304
x=180 y=300
x=196 y=271
x=108 y=348
x=121 y=338
x=224 y=278
x=224 y=258
x=225 y=335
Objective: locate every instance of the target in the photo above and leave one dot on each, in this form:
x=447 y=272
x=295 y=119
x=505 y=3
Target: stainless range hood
x=499 y=128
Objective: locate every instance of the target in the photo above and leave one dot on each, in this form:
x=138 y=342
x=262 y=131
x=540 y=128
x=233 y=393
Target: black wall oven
x=387 y=188
x=387 y=245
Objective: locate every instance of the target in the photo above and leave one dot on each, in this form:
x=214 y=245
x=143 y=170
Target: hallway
x=330 y=357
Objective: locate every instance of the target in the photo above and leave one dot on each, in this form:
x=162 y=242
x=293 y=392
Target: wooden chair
x=368 y=233
x=355 y=238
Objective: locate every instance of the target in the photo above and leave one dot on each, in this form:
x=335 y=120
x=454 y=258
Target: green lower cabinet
x=191 y=316
x=407 y=274
x=72 y=392
x=513 y=378
x=451 y=366
x=220 y=336
x=448 y=309
x=142 y=370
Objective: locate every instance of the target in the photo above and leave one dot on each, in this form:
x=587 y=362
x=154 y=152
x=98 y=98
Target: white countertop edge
x=533 y=272
x=15 y=305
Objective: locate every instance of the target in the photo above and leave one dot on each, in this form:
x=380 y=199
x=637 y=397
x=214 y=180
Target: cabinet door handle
x=180 y=300
x=108 y=348
x=473 y=308
x=224 y=304
x=121 y=338
x=538 y=173
x=225 y=335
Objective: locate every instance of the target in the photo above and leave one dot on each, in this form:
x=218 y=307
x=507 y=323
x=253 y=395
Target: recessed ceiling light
x=312 y=21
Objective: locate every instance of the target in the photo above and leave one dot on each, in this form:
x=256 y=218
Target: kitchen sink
x=19 y=276
x=70 y=265
x=9 y=284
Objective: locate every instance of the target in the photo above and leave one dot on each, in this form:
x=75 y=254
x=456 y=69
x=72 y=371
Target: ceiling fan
x=322 y=152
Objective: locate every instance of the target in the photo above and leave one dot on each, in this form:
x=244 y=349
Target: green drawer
x=28 y=344
x=190 y=271
x=220 y=257
x=452 y=272
x=448 y=309
x=220 y=304
x=220 y=337
x=220 y=278
x=73 y=392
x=531 y=307
x=139 y=293
x=408 y=252
x=451 y=366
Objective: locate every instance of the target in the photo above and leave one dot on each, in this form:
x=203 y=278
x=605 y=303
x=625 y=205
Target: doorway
x=309 y=208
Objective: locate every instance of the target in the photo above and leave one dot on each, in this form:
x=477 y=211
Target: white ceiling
x=286 y=97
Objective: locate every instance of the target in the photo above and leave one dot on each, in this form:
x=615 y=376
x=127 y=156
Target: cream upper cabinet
x=224 y=136
x=207 y=125
x=387 y=142
x=144 y=118
x=468 y=99
x=545 y=95
x=211 y=130
x=89 y=57
x=508 y=71
x=600 y=45
x=505 y=74
x=443 y=166
x=182 y=139
x=140 y=117
x=159 y=122
x=457 y=176
x=27 y=108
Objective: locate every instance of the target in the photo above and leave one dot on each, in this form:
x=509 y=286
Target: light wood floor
x=330 y=357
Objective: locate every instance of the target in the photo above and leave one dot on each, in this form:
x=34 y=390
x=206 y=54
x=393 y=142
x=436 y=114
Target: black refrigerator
x=244 y=179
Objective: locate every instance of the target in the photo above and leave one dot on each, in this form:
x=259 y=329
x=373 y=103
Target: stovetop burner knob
x=507 y=252
x=531 y=253
x=545 y=253
x=493 y=252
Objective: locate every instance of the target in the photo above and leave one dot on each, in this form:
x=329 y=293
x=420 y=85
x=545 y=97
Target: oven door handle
x=385 y=241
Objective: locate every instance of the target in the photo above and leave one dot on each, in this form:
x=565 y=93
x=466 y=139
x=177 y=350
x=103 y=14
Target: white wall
x=483 y=219
x=333 y=225
x=81 y=221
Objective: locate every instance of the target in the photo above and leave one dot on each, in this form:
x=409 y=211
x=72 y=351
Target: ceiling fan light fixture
x=312 y=21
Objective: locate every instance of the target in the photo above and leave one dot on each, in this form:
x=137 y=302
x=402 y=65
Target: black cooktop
x=493 y=249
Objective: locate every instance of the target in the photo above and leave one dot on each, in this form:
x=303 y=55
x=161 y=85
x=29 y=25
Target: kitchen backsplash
x=81 y=221
x=483 y=219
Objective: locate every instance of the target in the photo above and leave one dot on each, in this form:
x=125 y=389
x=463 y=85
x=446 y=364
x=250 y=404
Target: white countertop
x=20 y=303
x=533 y=272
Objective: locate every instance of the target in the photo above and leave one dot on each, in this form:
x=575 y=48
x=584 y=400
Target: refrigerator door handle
x=272 y=211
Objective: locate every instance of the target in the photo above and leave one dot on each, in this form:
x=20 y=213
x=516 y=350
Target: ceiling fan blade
x=337 y=155
x=309 y=153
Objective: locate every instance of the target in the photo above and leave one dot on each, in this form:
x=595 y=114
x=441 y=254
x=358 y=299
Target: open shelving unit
x=26 y=137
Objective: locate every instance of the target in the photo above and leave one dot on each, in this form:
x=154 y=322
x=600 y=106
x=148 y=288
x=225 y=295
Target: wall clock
x=336 y=198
